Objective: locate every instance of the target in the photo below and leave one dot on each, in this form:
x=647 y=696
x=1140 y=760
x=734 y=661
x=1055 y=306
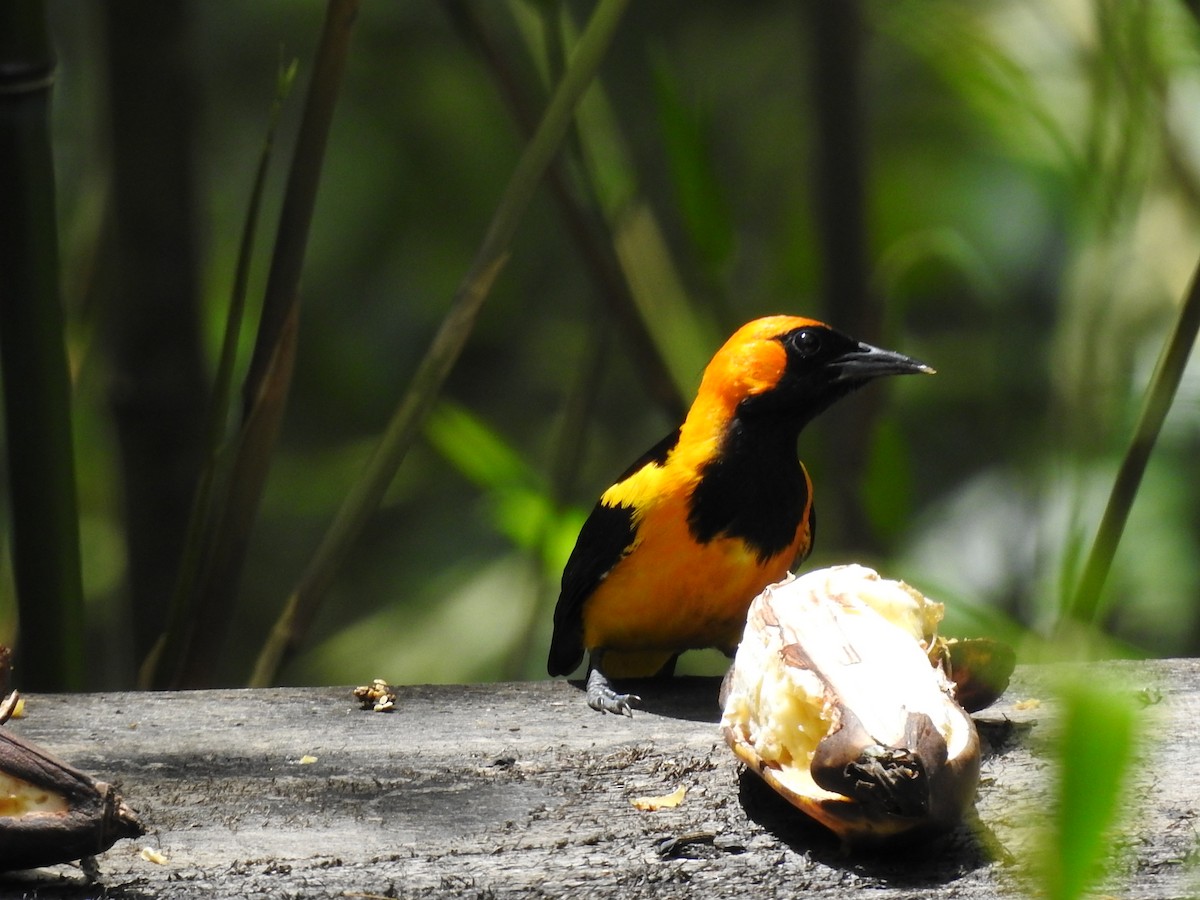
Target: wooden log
x=520 y=789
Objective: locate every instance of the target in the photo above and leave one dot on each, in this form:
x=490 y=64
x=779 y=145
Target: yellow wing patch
x=643 y=489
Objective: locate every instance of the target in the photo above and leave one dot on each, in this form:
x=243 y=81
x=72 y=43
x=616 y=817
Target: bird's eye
x=806 y=342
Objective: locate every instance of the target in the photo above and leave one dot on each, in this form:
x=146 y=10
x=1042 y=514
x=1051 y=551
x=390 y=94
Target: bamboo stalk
x=37 y=389
x=447 y=344
x=268 y=380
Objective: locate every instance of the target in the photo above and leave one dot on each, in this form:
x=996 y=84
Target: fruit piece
x=979 y=667
x=50 y=812
x=833 y=701
x=666 y=801
x=149 y=854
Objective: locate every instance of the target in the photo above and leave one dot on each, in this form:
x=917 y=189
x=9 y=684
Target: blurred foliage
x=1094 y=752
x=1032 y=186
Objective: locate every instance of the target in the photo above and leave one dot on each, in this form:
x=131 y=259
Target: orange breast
x=673 y=594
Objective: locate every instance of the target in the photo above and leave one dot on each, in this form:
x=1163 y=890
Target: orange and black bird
x=676 y=549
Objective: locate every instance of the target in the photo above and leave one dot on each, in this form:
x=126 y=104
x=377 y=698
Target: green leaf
x=1095 y=750
x=476 y=450
x=519 y=499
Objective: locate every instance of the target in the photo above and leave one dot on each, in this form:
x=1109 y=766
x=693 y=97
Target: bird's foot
x=602 y=697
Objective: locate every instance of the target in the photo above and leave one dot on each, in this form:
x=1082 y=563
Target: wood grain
x=520 y=789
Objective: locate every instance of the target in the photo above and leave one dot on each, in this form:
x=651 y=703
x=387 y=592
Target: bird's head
x=794 y=367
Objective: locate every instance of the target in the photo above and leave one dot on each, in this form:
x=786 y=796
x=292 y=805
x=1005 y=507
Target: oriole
x=672 y=554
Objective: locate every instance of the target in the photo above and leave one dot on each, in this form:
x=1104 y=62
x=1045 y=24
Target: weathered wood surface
x=500 y=790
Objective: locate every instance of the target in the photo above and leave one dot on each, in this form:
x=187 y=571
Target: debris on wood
x=378 y=696
x=666 y=801
x=150 y=855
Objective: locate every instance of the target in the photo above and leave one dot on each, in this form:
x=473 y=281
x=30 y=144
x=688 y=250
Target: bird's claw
x=612 y=702
x=602 y=698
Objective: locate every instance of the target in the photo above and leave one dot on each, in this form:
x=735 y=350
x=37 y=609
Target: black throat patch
x=754 y=489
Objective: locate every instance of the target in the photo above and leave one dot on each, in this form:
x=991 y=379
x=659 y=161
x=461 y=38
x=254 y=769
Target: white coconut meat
x=836 y=647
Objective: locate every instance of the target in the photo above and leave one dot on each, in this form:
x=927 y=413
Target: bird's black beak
x=867 y=362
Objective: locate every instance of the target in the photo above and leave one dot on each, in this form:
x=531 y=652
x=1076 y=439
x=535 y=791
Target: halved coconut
x=832 y=700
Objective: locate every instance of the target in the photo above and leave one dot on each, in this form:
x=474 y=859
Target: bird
x=673 y=552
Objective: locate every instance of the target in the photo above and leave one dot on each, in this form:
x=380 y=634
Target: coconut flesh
x=833 y=700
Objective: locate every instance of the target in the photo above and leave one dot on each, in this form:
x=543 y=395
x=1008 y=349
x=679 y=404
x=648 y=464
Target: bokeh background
x=1007 y=190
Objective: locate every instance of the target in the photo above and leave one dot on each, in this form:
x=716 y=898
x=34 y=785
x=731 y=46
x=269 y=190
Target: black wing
x=605 y=538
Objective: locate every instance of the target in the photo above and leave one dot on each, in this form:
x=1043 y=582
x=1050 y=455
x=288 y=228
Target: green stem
x=37 y=386
x=447 y=344
x=1164 y=384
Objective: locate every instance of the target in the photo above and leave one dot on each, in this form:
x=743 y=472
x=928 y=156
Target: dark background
x=1005 y=190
